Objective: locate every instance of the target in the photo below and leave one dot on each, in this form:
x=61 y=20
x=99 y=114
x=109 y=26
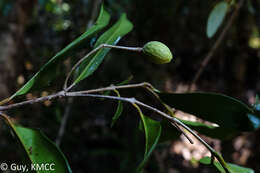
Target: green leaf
x=48 y=72
x=152 y=131
x=39 y=149
x=121 y=83
x=226 y=111
x=119 y=110
x=211 y=131
x=169 y=132
x=216 y=17
x=112 y=36
x=126 y=81
x=232 y=167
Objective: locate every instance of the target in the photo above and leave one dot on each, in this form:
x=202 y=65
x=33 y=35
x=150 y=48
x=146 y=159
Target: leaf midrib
x=91 y=62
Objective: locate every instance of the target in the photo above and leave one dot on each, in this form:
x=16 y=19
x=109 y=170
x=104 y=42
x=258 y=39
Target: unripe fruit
x=158 y=52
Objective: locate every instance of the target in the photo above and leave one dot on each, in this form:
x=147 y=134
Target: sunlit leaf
x=48 y=72
x=119 y=110
x=111 y=36
x=170 y=133
x=216 y=17
x=231 y=167
x=212 y=131
x=223 y=110
x=152 y=131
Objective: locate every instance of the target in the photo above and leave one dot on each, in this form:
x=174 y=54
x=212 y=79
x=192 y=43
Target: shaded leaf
x=152 y=131
x=211 y=131
x=48 y=71
x=226 y=111
x=39 y=149
x=232 y=167
x=121 y=83
x=119 y=110
x=126 y=81
x=216 y=17
x=111 y=36
x=169 y=132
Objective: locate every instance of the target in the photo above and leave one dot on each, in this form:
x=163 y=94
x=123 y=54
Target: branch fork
x=89 y=93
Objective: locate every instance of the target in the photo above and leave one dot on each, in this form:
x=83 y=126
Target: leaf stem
x=63 y=94
x=64 y=121
x=65 y=88
x=125 y=99
x=133 y=101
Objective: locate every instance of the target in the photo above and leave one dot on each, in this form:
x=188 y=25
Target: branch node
x=113 y=87
x=62 y=93
x=132 y=100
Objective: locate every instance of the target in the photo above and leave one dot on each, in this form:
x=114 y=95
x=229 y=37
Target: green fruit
x=158 y=52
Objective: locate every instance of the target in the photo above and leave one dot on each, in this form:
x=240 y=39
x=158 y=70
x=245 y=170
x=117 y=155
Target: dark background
x=32 y=31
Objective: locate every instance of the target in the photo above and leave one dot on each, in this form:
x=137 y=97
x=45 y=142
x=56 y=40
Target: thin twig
x=146 y=85
x=76 y=65
x=113 y=87
x=64 y=122
x=136 y=49
x=180 y=130
x=125 y=99
x=63 y=94
x=210 y=54
x=163 y=115
x=32 y=101
x=151 y=89
x=6 y=117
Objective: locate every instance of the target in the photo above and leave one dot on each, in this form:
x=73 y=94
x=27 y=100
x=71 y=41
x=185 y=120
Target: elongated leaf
x=119 y=110
x=232 y=167
x=40 y=150
x=227 y=112
x=48 y=72
x=152 y=131
x=212 y=131
x=121 y=83
x=216 y=17
x=112 y=36
x=169 y=132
